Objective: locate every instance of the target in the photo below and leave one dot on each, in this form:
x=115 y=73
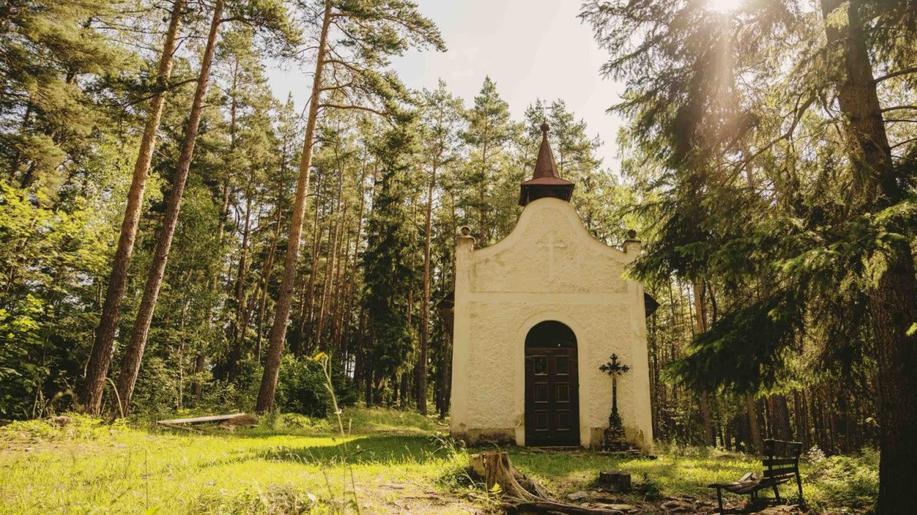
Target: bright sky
x=531 y=48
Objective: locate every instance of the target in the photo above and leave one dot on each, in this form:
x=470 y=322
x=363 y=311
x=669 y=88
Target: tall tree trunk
x=893 y=297
x=100 y=359
x=307 y=307
x=282 y=311
x=197 y=386
x=335 y=226
x=754 y=428
x=266 y=280
x=237 y=339
x=700 y=327
x=341 y=299
x=421 y=369
x=130 y=364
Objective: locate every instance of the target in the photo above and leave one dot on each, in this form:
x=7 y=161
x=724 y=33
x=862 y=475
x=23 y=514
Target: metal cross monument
x=614 y=369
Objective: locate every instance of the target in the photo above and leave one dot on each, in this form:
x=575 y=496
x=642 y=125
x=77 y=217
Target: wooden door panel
x=551 y=396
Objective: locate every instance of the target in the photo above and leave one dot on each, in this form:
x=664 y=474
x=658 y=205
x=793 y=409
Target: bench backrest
x=781 y=458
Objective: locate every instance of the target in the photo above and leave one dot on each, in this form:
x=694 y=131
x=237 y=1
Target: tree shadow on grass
x=386 y=449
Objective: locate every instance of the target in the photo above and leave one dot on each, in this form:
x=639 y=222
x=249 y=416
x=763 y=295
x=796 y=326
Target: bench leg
x=719 y=498
x=777 y=493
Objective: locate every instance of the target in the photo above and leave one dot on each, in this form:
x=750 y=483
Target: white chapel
x=535 y=316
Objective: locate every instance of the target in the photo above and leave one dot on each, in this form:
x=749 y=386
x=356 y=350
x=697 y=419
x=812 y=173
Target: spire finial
x=546 y=181
x=544 y=165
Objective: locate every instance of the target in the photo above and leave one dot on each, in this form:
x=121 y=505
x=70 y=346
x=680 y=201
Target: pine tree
x=387 y=273
x=354 y=43
x=53 y=56
x=488 y=133
x=440 y=126
x=100 y=358
x=134 y=352
x=809 y=223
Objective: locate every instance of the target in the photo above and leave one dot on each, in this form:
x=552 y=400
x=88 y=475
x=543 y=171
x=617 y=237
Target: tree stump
x=495 y=468
x=615 y=481
x=523 y=494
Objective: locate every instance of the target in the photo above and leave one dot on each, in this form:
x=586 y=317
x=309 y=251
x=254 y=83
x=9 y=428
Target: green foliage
x=301 y=388
x=847 y=480
x=45 y=255
x=744 y=350
x=487 y=136
x=64 y=428
x=56 y=72
x=392 y=247
x=745 y=187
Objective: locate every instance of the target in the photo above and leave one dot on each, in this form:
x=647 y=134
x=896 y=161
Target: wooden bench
x=781 y=465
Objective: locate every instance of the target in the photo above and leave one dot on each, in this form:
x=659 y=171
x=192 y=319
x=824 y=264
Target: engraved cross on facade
x=550 y=243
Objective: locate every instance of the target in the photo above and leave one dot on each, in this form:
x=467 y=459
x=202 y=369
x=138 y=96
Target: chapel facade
x=535 y=316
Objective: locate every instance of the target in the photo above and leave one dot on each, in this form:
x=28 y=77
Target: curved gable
x=549 y=250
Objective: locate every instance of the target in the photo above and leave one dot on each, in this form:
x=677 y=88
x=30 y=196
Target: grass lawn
x=393 y=461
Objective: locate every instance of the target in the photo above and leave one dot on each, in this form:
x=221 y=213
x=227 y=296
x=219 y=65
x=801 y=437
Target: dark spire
x=545 y=182
x=545 y=166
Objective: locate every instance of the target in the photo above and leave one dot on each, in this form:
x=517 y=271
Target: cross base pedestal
x=614 y=439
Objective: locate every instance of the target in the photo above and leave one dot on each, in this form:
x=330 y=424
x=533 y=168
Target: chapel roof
x=546 y=181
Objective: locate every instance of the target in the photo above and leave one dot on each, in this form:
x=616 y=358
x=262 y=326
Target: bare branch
x=336 y=87
x=899 y=108
x=905 y=142
x=898 y=73
x=352 y=107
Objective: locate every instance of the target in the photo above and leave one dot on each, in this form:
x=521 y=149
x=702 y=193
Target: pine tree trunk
x=100 y=359
x=238 y=333
x=266 y=280
x=197 y=387
x=801 y=411
x=130 y=363
x=754 y=428
x=893 y=297
x=700 y=326
x=421 y=370
x=307 y=317
x=335 y=227
x=282 y=310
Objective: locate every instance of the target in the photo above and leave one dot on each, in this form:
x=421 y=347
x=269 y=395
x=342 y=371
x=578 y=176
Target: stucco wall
x=548 y=268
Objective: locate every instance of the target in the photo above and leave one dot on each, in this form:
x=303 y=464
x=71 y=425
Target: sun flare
x=724 y=6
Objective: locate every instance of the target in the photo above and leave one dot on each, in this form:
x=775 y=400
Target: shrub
x=301 y=388
x=849 y=481
x=72 y=426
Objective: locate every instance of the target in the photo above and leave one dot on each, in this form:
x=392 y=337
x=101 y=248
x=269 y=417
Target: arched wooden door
x=551 y=386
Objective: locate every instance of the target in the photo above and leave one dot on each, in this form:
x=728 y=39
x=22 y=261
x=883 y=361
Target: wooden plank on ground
x=200 y=420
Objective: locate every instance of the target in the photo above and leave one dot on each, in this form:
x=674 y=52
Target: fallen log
x=233 y=418
x=179 y=426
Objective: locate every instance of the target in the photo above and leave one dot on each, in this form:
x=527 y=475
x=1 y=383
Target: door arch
x=551 y=386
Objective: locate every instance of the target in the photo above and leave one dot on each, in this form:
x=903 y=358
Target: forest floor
x=391 y=462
